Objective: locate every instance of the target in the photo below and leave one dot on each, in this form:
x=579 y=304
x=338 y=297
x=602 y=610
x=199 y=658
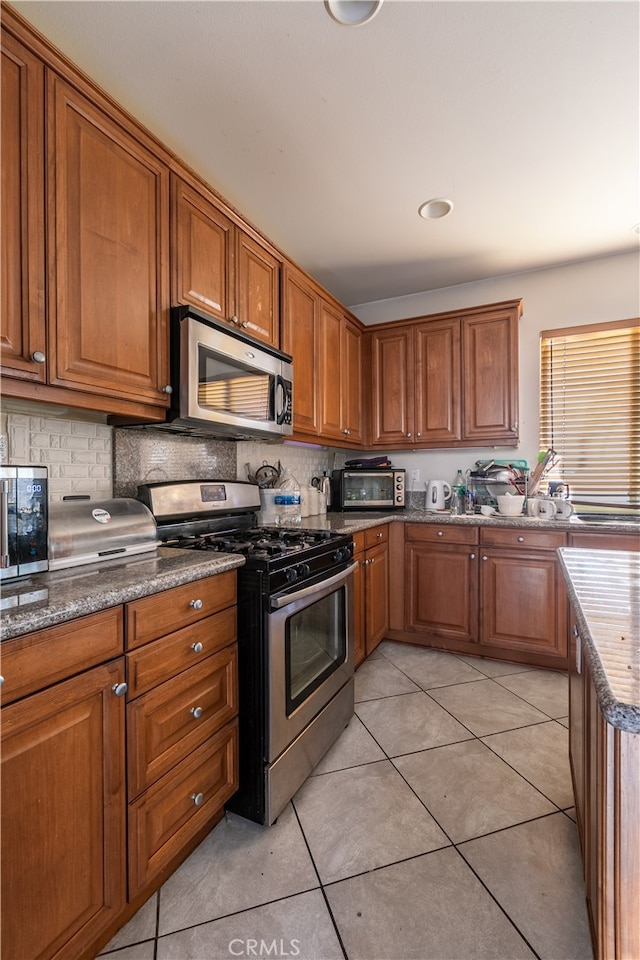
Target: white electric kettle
x=437 y=492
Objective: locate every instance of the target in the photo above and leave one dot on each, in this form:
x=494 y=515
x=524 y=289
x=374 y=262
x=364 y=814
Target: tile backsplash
x=149 y=456
x=86 y=456
x=77 y=453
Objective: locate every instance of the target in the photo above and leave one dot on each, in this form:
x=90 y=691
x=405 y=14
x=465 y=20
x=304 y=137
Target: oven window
x=315 y=646
x=368 y=488
x=229 y=389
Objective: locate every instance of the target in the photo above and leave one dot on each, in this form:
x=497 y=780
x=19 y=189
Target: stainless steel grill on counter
x=86 y=531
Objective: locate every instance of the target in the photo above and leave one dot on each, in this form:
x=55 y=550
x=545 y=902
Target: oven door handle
x=278 y=602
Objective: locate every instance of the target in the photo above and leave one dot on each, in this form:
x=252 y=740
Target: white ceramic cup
x=564 y=509
x=546 y=508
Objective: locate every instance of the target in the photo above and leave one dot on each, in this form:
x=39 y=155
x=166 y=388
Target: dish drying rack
x=486 y=488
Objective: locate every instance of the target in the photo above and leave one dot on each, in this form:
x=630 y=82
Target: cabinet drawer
x=445 y=533
x=44 y=657
x=162 y=659
x=166 y=724
x=605 y=541
x=174 y=809
x=376 y=535
x=162 y=613
x=520 y=538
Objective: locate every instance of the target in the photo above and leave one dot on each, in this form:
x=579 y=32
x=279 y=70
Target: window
x=590 y=409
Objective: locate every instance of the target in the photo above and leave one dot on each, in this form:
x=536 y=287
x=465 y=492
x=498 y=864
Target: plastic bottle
x=287 y=500
x=458 y=490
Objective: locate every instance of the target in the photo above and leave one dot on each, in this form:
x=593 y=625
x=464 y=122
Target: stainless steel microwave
x=368 y=489
x=226 y=383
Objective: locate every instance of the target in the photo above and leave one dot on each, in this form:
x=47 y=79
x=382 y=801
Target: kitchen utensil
x=437 y=492
x=267 y=475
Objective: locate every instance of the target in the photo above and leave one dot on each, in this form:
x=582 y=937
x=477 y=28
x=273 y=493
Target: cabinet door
x=392 y=371
x=22 y=330
x=352 y=429
x=523 y=605
x=490 y=365
x=300 y=338
x=376 y=591
x=437 y=385
x=108 y=253
x=63 y=816
x=257 y=300
x=359 y=648
x=203 y=252
x=331 y=372
x=577 y=720
x=442 y=590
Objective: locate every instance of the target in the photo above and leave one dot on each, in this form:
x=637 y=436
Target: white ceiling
x=327 y=138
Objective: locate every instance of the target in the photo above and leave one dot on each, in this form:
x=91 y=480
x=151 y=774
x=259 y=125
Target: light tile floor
x=440 y=826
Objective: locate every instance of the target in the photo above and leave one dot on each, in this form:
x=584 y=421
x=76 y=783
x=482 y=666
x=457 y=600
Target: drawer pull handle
x=520 y=539
x=1 y=680
x=379 y=536
x=38 y=356
x=440 y=533
x=196 y=604
x=167 y=388
x=197 y=712
x=575 y=631
x=119 y=689
x=197 y=647
x=197 y=798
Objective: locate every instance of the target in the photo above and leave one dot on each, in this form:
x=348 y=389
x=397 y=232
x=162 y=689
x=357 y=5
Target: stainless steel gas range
x=295 y=632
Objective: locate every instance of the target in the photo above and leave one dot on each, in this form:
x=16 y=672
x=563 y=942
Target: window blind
x=590 y=409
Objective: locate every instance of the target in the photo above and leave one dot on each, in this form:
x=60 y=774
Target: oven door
x=310 y=655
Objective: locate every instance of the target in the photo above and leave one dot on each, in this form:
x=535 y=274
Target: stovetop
x=259 y=543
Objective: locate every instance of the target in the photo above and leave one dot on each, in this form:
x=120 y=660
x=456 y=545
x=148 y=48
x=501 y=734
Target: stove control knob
x=291 y=574
x=304 y=570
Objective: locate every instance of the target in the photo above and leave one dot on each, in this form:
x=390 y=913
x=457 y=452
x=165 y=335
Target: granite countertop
x=352 y=522
x=46 y=599
x=604 y=587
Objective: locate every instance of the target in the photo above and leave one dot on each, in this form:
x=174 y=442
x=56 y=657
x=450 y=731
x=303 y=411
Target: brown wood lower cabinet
x=371 y=590
x=485 y=591
x=63 y=807
x=604 y=766
x=77 y=862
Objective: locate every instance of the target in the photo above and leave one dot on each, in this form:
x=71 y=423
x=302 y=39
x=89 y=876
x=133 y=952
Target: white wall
x=592 y=291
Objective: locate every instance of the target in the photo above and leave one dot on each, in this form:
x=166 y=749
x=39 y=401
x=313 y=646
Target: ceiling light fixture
x=435 y=209
x=352 y=13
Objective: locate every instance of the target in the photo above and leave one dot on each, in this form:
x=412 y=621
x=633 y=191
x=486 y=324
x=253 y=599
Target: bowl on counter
x=510 y=505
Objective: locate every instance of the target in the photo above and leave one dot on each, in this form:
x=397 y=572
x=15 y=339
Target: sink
x=608 y=518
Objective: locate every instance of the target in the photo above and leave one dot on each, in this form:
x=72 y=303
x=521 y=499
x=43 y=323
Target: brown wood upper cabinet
x=326 y=346
x=86 y=279
x=219 y=268
x=448 y=380
x=23 y=331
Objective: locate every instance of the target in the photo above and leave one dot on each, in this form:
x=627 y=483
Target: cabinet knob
x=440 y=533
x=197 y=798
x=167 y=388
x=379 y=536
x=119 y=689
x=472 y=556
x=520 y=539
x=197 y=712
x=575 y=631
x=38 y=356
x=408 y=436
x=197 y=647
x=485 y=557
x=196 y=604
x=1 y=680
x=418 y=434
x=233 y=320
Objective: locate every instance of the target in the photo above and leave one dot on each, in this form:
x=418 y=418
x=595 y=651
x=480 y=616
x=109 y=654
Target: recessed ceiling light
x=435 y=209
x=352 y=13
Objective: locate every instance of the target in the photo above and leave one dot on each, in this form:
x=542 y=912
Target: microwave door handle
x=279 y=414
x=278 y=602
x=5 y=560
